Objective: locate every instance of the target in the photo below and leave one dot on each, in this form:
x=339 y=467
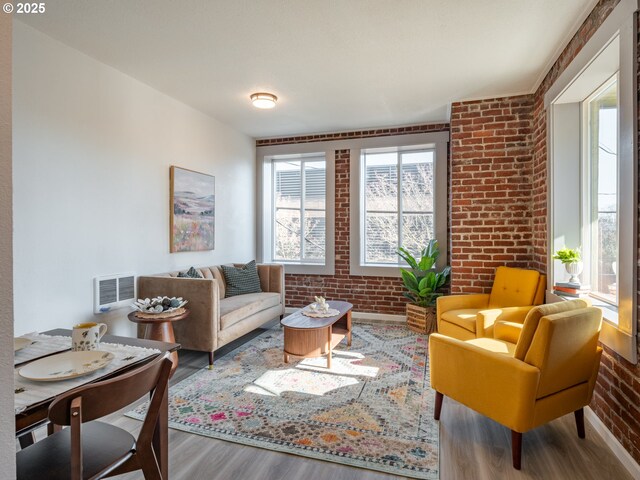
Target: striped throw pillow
x=241 y=280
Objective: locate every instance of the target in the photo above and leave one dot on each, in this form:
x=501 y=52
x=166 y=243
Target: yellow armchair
x=514 y=293
x=549 y=372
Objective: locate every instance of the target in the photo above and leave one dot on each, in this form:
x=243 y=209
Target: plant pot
x=421 y=319
x=574 y=269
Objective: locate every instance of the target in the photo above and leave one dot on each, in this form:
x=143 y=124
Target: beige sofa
x=215 y=320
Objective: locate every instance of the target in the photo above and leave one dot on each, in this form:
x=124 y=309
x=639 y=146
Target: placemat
x=29 y=392
x=42 y=345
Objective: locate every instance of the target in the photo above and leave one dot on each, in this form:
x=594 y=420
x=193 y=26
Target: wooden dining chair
x=90 y=449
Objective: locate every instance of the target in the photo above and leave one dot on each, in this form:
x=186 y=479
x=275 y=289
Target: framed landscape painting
x=192 y=219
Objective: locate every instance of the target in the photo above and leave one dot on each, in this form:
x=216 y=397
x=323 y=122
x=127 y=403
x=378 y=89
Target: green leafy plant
x=422 y=281
x=567 y=255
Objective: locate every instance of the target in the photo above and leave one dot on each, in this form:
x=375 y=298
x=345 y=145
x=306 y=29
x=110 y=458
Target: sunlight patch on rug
x=373 y=409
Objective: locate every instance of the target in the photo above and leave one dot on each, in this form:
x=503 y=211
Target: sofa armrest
x=199 y=331
x=272 y=279
x=493 y=384
x=487 y=318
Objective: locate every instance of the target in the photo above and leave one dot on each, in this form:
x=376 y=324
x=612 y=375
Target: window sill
x=375 y=270
x=307 y=268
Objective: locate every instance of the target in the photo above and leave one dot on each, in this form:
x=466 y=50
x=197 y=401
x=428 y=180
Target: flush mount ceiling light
x=263 y=100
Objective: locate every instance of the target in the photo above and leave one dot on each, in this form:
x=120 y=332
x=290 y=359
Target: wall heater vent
x=113 y=291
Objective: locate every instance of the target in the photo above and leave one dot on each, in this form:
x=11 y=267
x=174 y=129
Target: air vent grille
x=113 y=291
x=108 y=291
x=126 y=290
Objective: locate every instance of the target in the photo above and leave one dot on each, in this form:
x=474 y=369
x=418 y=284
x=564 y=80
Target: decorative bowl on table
x=319 y=309
x=159 y=305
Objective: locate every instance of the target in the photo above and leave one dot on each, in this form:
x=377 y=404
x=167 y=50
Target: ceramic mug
x=86 y=336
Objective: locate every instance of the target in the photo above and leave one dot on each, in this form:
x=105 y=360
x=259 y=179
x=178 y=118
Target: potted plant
x=571 y=260
x=422 y=282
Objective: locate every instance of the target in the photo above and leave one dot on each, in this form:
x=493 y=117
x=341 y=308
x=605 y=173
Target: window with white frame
x=398 y=199
x=593 y=173
x=299 y=208
x=397 y=205
x=296 y=185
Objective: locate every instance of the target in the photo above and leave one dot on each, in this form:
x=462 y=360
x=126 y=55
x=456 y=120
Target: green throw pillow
x=241 y=280
x=191 y=273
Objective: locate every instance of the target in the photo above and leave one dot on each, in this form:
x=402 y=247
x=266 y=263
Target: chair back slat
x=108 y=396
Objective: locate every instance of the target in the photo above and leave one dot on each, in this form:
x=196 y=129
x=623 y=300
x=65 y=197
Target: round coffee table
x=313 y=337
x=160 y=328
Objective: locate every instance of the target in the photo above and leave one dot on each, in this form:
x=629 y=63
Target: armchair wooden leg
x=210 y=360
x=516 y=448
x=438 y=408
x=580 y=422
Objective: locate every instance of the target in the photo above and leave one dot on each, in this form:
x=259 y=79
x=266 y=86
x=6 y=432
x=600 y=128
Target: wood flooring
x=471 y=447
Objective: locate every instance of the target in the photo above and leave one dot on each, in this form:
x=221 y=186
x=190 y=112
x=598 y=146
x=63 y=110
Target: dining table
x=34 y=415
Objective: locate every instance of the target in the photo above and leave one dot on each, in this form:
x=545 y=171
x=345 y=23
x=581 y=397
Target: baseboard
x=616 y=447
x=379 y=317
x=370 y=317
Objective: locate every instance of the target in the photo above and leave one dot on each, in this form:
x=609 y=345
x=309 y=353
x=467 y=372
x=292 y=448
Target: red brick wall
x=368 y=294
x=616 y=399
x=490 y=190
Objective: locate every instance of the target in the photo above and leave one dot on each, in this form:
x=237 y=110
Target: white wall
x=92 y=150
x=7 y=422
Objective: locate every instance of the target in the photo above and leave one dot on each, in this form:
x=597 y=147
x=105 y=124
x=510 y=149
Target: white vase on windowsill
x=574 y=269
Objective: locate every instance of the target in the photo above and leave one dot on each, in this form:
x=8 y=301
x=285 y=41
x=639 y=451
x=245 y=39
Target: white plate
x=20 y=342
x=66 y=365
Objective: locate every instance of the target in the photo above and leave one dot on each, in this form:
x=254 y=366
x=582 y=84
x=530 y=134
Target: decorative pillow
x=241 y=280
x=191 y=273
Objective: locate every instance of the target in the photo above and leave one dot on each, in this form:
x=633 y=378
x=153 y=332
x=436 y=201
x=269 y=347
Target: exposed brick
x=490 y=189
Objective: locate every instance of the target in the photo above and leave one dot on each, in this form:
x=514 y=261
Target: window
x=398 y=198
x=398 y=202
x=299 y=208
x=406 y=181
x=593 y=154
x=295 y=221
x=601 y=202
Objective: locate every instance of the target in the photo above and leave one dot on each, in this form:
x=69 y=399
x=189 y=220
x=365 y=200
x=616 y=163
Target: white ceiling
x=334 y=64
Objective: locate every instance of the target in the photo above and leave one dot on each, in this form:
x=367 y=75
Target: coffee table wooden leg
x=329 y=347
x=349 y=328
x=286 y=357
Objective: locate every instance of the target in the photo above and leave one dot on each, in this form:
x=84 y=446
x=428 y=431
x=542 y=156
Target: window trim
x=587 y=194
x=621 y=336
x=438 y=141
x=264 y=221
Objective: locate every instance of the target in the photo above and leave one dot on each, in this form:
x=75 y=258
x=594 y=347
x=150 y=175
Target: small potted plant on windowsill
x=422 y=283
x=571 y=260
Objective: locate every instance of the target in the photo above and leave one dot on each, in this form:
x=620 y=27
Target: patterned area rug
x=373 y=409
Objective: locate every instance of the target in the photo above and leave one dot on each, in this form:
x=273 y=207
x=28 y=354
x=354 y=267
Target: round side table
x=161 y=329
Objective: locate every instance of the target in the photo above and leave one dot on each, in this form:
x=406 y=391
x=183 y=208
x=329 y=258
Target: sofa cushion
x=464 y=318
x=241 y=280
x=239 y=307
